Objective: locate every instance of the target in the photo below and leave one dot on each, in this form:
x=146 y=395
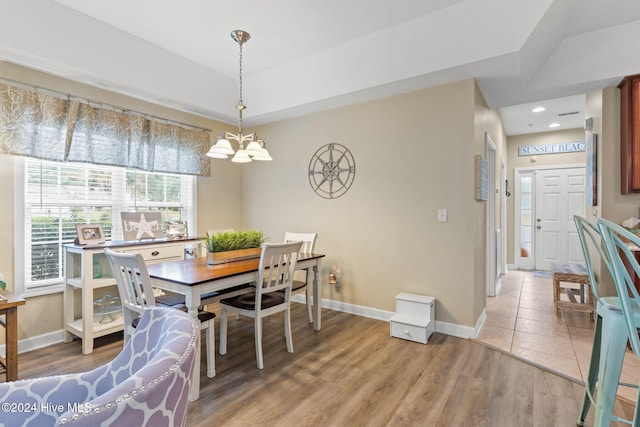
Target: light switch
x=442 y=215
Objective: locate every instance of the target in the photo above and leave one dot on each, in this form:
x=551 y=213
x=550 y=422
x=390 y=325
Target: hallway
x=522 y=320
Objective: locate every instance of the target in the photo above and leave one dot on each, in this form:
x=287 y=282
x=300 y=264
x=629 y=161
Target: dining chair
x=594 y=252
x=275 y=273
x=136 y=294
x=620 y=326
x=301 y=282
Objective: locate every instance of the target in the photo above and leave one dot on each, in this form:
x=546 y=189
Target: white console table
x=82 y=278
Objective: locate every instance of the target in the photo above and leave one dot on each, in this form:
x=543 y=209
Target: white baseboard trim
x=460 y=331
x=480 y=323
x=498 y=285
x=447 y=328
x=34 y=343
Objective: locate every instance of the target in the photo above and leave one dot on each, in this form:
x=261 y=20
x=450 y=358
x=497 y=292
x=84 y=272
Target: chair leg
x=590 y=383
x=223 y=331
x=287 y=329
x=556 y=293
x=613 y=346
x=636 y=416
x=258 y=336
x=211 y=348
x=308 y=301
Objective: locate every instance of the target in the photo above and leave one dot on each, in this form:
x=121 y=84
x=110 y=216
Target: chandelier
x=255 y=148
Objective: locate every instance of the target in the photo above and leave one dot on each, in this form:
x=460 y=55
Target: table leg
x=12 y=343
x=317 y=300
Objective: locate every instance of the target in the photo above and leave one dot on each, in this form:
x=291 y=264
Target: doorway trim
x=516 y=203
x=492 y=281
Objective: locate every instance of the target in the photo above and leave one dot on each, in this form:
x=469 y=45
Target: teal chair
x=589 y=236
x=619 y=325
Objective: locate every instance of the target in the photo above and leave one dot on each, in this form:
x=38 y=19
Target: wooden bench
x=579 y=299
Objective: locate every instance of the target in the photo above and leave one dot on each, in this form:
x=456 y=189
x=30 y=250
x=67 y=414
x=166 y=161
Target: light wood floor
x=351 y=373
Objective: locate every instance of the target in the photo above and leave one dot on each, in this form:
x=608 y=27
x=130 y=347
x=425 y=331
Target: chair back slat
x=134 y=284
x=308 y=240
x=591 y=243
x=617 y=240
x=277 y=264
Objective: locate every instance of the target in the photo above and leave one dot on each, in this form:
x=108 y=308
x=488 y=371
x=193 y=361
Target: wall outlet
x=442 y=215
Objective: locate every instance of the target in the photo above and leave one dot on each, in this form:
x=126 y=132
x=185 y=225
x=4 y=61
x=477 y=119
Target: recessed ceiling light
x=538 y=110
x=554 y=125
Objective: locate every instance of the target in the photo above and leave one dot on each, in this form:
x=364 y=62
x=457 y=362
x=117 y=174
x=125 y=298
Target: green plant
x=3 y=284
x=233 y=240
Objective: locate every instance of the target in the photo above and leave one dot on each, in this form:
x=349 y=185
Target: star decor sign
x=564 y=147
x=138 y=225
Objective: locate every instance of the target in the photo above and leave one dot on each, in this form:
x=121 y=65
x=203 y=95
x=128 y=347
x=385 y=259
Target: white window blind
x=57 y=196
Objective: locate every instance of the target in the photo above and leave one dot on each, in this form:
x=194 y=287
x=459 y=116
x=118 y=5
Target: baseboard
x=480 y=323
x=447 y=328
x=34 y=343
x=498 y=285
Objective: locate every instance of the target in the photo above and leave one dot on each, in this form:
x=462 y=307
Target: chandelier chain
x=240 y=102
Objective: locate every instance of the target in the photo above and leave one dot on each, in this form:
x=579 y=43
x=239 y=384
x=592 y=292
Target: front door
x=560 y=194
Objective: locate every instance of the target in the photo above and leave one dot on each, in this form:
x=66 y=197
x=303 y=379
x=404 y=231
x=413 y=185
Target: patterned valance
x=38 y=124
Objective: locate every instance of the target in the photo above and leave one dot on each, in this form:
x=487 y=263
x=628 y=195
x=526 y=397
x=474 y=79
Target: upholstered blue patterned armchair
x=147 y=384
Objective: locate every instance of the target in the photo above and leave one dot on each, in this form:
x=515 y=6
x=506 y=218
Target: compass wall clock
x=331 y=171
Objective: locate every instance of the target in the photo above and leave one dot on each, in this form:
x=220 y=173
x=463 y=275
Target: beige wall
x=414 y=154
x=515 y=161
x=219 y=196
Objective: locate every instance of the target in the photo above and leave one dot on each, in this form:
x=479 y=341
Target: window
x=57 y=196
x=524 y=221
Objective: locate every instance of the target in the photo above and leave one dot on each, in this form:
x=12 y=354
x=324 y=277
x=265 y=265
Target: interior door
x=560 y=194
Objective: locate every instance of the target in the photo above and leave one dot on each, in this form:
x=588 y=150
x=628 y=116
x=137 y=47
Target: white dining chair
x=136 y=294
x=301 y=277
x=275 y=274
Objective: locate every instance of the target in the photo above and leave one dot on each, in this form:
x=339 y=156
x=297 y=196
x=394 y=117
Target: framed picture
x=482 y=178
x=176 y=229
x=89 y=234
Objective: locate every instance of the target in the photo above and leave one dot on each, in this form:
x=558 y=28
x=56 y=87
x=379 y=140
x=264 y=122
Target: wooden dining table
x=194 y=278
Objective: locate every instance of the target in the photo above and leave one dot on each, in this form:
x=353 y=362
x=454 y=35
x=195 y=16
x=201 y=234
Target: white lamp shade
x=241 y=157
x=253 y=148
x=263 y=155
x=213 y=154
x=223 y=146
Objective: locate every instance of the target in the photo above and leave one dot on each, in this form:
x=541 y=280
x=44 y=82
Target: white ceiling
x=306 y=56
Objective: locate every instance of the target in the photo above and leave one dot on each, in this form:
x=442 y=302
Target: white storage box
x=414 y=319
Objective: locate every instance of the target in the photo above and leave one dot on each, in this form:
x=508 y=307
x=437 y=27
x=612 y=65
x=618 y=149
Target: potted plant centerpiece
x=227 y=246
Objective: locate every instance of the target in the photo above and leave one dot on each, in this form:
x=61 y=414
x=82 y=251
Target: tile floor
x=522 y=320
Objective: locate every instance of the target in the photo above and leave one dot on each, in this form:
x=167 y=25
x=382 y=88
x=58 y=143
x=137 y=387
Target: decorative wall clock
x=331 y=171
